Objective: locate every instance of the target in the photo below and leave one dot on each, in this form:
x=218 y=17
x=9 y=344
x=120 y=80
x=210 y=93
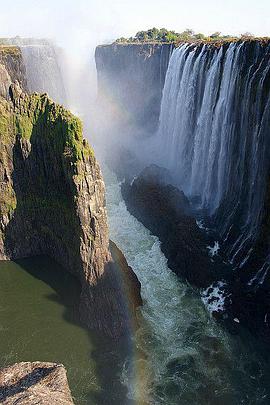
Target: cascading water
x=213 y=133
x=43 y=70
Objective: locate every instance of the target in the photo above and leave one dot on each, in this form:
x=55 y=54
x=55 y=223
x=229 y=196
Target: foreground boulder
x=34 y=383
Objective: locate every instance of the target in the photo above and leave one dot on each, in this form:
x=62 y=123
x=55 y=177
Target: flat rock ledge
x=34 y=383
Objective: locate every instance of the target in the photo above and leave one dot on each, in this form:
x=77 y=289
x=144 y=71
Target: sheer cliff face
x=52 y=202
x=11 y=69
x=53 y=193
x=131 y=79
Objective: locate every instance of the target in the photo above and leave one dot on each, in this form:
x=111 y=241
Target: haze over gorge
x=134 y=210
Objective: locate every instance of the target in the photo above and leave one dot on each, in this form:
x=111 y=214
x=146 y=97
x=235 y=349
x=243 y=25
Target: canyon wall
x=130 y=81
x=53 y=202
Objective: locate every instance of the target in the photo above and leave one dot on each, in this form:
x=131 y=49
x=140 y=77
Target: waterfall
x=214 y=133
x=43 y=70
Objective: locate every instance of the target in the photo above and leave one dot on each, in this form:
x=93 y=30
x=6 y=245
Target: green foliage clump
x=37 y=116
x=8 y=201
x=164 y=35
x=5 y=122
x=9 y=50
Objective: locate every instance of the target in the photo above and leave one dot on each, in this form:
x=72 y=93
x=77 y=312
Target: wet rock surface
x=166 y=211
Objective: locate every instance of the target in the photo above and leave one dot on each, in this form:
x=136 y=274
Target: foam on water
x=213 y=250
x=214 y=297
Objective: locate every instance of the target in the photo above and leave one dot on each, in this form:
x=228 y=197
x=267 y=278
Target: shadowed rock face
x=52 y=202
x=131 y=77
x=34 y=383
x=165 y=210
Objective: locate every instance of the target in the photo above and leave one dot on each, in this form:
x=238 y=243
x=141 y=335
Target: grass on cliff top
x=38 y=115
x=215 y=43
x=9 y=50
x=163 y=36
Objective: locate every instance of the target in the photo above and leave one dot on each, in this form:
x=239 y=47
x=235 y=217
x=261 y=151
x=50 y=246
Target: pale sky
x=80 y=23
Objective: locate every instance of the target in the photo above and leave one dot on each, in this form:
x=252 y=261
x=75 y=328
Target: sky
x=79 y=24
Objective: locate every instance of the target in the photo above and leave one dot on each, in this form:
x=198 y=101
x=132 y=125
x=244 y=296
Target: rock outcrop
x=52 y=202
x=130 y=282
x=11 y=69
x=34 y=383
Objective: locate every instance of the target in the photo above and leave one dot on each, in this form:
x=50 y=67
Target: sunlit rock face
x=12 y=68
x=34 y=383
x=130 y=81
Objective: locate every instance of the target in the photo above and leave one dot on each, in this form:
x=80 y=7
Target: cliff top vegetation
x=165 y=36
x=9 y=50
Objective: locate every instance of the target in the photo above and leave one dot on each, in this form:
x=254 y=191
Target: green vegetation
x=9 y=50
x=37 y=115
x=5 y=122
x=164 y=35
x=8 y=201
x=38 y=119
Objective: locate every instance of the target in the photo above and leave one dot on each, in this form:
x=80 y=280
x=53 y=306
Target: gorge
x=201 y=111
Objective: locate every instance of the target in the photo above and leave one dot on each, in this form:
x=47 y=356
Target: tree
x=199 y=36
x=189 y=32
x=247 y=35
x=215 y=35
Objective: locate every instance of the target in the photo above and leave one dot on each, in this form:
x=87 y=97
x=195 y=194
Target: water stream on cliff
x=181 y=356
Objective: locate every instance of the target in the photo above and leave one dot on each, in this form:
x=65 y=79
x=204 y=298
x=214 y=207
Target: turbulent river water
x=181 y=355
